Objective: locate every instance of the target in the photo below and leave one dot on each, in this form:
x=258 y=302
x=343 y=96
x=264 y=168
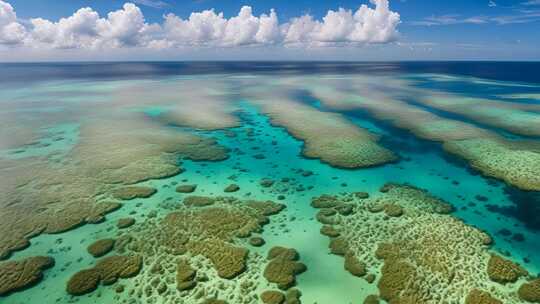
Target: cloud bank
x=127 y=27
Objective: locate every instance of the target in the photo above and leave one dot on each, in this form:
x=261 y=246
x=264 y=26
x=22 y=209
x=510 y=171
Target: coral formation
x=107 y=270
x=477 y=296
x=185 y=276
x=327 y=136
x=372 y=299
x=232 y=188
x=514 y=161
x=133 y=192
x=125 y=222
x=256 y=241
x=283 y=267
x=198 y=201
x=22 y=274
x=354 y=266
x=186 y=188
x=49 y=197
x=423 y=247
x=530 y=291
x=504 y=271
x=517 y=163
x=205 y=243
x=272 y=297
x=101 y=247
x=513 y=117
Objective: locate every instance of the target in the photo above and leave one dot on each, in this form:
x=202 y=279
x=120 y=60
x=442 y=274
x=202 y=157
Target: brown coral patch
x=19 y=275
x=339 y=246
x=133 y=192
x=396 y=279
x=198 y=201
x=393 y=210
x=504 y=271
x=229 y=260
x=185 y=275
x=125 y=222
x=477 y=296
x=100 y=247
x=530 y=291
x=107 y=270
x=353 y=265
x=186 y=188
x=272 y=297
x=283 y=267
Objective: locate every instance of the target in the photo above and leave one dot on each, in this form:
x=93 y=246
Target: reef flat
x=424 y=254
x=328 y=136
x=514 y=161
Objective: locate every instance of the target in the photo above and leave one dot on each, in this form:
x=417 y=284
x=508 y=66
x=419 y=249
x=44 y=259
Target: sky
x=73 y=30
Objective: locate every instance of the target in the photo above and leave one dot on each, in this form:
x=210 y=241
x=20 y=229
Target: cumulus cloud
x=127 y=27
x=11 y=32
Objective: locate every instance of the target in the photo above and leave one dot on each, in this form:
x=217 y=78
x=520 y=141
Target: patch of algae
x=22 y=274
x=40 y=196
x=199 y=251
x=425 y=255
x=514 y=162
x=327 y=136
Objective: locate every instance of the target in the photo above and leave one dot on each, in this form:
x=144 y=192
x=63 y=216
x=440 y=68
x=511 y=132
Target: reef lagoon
x=270 y=182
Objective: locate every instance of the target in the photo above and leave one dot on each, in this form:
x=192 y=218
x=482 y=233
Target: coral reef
x=530 y=291
x=272 y=297
x=476 y=296
x=185 y=276
x=205 y=243
x=283 y=267
x=517 y=163
x=514 y=161
x=125 y=222
x=513 y=117
x=421 y=248
x=101 y=247
x=186 y=188
x=504 y=271
x=49 y=197
x=133 y=192
x=22 y=274
x=107 y=270
x=231 y=188
x=327 y=136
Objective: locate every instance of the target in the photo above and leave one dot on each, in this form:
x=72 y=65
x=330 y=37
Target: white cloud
x=11 y=32
x=127 y=27
x=366 y=25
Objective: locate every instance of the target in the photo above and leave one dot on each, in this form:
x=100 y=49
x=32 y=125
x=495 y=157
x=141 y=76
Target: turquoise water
x=258 y=148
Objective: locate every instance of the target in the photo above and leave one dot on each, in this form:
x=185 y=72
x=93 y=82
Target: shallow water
x=56 y=125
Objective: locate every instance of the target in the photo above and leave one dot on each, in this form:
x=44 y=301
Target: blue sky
x=477 y=29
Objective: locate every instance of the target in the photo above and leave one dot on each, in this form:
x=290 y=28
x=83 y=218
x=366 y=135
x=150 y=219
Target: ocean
x=270 y=182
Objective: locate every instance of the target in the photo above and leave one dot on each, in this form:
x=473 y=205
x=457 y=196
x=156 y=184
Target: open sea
x=270 y=182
